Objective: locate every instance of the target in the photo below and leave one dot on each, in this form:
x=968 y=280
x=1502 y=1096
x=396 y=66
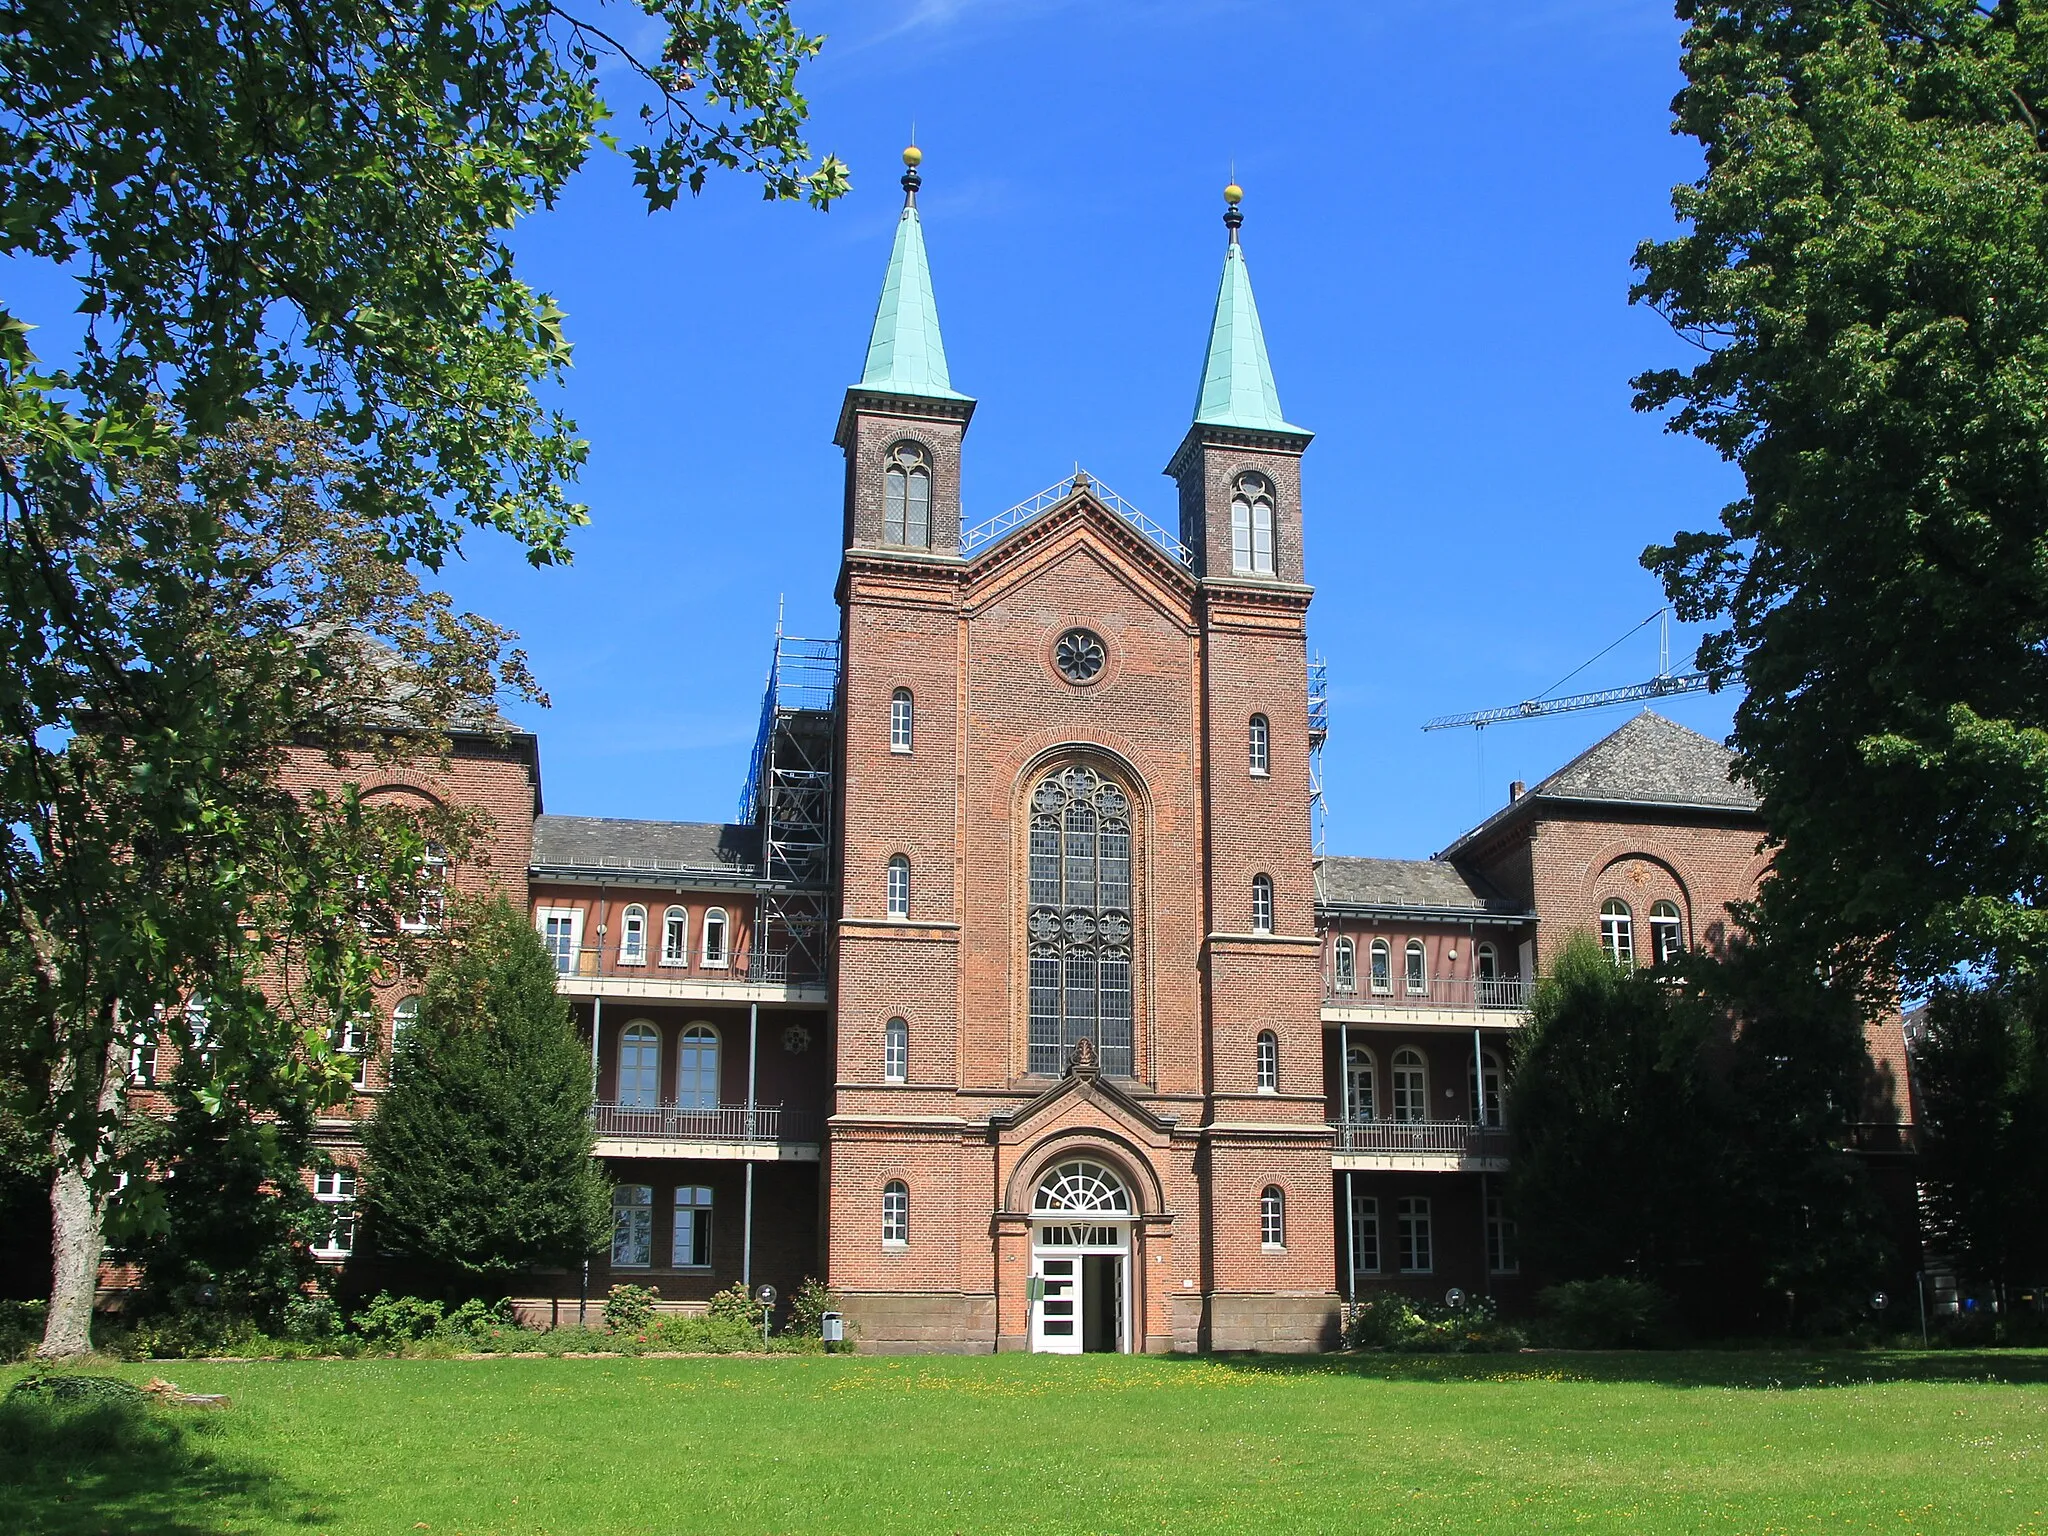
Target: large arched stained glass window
x=1079 y=921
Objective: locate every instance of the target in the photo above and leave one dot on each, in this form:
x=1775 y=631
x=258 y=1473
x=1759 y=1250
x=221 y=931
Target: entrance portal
x=1080 y=1262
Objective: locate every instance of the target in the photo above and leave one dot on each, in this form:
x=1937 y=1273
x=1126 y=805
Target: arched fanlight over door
x=1080 y=1187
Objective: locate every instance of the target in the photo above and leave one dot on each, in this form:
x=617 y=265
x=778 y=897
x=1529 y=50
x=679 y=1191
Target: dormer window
x=1251 y=526
x=907 y=497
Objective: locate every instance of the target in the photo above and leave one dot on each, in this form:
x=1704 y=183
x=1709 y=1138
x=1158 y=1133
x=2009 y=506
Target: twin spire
x=906 y=355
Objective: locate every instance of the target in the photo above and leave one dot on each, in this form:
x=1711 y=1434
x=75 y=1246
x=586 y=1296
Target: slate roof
x=589 y=843
x=1429 y=884
x=1650 y=761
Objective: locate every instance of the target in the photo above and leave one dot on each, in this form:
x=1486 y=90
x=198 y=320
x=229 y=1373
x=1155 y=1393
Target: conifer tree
x=478 y=1161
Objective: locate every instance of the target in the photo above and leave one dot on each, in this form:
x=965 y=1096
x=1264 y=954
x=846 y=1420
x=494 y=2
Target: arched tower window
x=902 y=720
x=895 y=1214
x=1269 y=1061
x=1078 y=921
x=896 y=1051
x=907 y=496
x=1251 y=526
x=1262 y=904
x=1618 y=931
x=1272 y=1218
x=899 y=886
x=1667 y=932
x=1261 y=747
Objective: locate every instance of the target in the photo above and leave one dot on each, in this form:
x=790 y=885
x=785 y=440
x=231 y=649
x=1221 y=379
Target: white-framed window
x=1269 y=1061
x=1365 y=1234
x=1382 y=959
x=1411 y=1086
x=1345 y=975
x=351 y=1038
x=433 y=907
x=716 y=946
x=640 y=1065
x=632 y=1226
x=902 y=721
x=142 y=1062
x=633 y=936
x=899 y=886
x=1618 y=931
x=1272 y=1219
x=1500 y=1238
x=697 y=1068
x=1261 y=747
x=336 y=1189
x=907 y=496
x=1262 y=904
x=1483 y=1083
x=1486 y=983
x=1667 y=932
x=691 y=1247
x=198 y=1019
x=561 y=930
x=1360 y=1081
x=1251 y=526
x=1417 y=1253
x=675 y=936
x=896 y=1051
x=895 y=1214
x=404 y=1014
x=1414 y=969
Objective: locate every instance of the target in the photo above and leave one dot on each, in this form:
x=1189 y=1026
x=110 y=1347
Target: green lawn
x=1520 y=1443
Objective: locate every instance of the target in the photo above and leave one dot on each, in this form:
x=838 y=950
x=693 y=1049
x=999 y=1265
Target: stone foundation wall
x=921 y=1324
x=1283 y=1324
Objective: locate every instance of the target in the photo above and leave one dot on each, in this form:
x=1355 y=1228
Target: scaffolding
x=1318 y=733
x=790 y=790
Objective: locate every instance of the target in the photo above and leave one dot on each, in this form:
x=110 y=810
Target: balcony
x=750 y=976
x=1494 y=1000
x=1427 y=1146
x=765 y=1133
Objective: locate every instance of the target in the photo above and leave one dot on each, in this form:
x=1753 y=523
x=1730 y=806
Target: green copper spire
x=1237 y=376
x=905 y=353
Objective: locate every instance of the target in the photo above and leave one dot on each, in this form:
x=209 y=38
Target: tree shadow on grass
x=82 y=1469
x=1754 y=1370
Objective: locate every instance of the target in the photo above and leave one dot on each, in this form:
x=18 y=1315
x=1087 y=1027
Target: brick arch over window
x=398 y=790
x=1064 y=931
x=1123 y=1157
x=1639 y=877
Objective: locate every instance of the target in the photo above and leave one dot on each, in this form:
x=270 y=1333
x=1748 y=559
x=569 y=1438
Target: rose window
x=1079 y=655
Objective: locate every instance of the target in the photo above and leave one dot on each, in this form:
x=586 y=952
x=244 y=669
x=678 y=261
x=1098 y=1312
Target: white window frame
x=405 y=1013
x=1380 y=968
x=1267 y=1048
x=902 y=721
x=1259 y=747
x=352 y=1039
x=691 y=1215
x=1262 y=903
x=1365 y=1234
x=142 y=1062
x=1500 y=1239
x=1415 y=1239
x=1273 y=1219
x=1667 y=931
x=675 y=936
x=1415 y=968
x=637 y=1032
x=1408 y=1068
x=895 y=1214
x=898 y=892
x=1344 y=965
x=1361 y=1068
x=690 y=1046
x=433 y=905
x=336 y=1188
x=896 y=1050
x=633 y=1220
x=717 y=939
x=633 y=935
x=565 y=964
x=1488 y=1091
x=1618 y=932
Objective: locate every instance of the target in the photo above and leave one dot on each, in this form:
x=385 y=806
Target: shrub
x=1610 y=1313
x=628 y=1307
x=388 y=1319
x=807 y=1308
x=75 y=1389
x=735 y=1304
x=186 y=1336
x=21 y=1328
x=1406 y=1325
x=310 y=1319
x=708 y=1335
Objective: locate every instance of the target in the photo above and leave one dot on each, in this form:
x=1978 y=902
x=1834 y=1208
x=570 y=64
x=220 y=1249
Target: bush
x=21 y=1328
x=628 y=1307
x=388 y=1319
x=807 y=1308
x=310 y=1319
x=734 y=1304
x=186 y=1336
x=1610 y=1313
x=75 y=1389
x=1408 y=1326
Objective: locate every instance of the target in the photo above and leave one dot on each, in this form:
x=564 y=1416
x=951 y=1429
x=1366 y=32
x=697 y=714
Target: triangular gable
x=1126 y=556
x=1091 y=1088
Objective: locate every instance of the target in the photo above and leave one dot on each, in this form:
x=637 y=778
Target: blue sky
x=1441 y=205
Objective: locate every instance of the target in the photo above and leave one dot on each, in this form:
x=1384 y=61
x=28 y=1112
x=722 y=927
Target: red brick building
x=1017 y=1003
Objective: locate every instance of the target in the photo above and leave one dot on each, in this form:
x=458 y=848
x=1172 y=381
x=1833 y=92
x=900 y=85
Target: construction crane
x=1663 y=686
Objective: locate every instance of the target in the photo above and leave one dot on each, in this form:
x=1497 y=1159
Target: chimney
x=1516 y=790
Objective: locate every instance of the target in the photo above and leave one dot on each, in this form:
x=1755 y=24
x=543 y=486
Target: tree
x=1865 y=268
x=1983 y=1079
x=478 y=1160
x=290 y=229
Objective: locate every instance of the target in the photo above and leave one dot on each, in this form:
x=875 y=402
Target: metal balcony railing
x=764 y=1124
x=1506 y=993
x=1424 y=1138
x=754 y=967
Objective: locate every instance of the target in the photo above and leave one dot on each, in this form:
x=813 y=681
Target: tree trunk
x=76 y=1212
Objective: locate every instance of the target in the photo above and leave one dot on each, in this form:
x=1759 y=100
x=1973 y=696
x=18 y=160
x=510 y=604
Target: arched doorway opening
x=1081 y=1260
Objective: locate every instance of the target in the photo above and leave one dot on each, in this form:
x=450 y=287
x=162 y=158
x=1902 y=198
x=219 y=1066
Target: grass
x=1736 y=1443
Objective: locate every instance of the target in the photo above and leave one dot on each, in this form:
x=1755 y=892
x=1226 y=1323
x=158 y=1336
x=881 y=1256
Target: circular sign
x=765 y=1295
x=1454 y=1297
x=1879 y=1300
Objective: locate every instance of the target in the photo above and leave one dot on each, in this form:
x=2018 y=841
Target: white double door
x=1084 y=1300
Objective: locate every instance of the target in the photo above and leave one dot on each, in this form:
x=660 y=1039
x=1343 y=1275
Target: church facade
x=1018 y=1003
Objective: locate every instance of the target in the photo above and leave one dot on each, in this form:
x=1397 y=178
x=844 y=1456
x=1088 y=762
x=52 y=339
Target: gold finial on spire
x=1233 y=217
x=913 y=157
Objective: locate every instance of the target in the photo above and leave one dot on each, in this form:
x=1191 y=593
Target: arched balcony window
x=675 y=936
x=697 y=1068
x=1361 y=1104
x=640 y=1066
x=1483 y=1083
x=1411 y=1087
x=1414 y=969
x=633 y=936
x=1382 y=967
x=1345 y=975
x=907 y=496
x=716 y=943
